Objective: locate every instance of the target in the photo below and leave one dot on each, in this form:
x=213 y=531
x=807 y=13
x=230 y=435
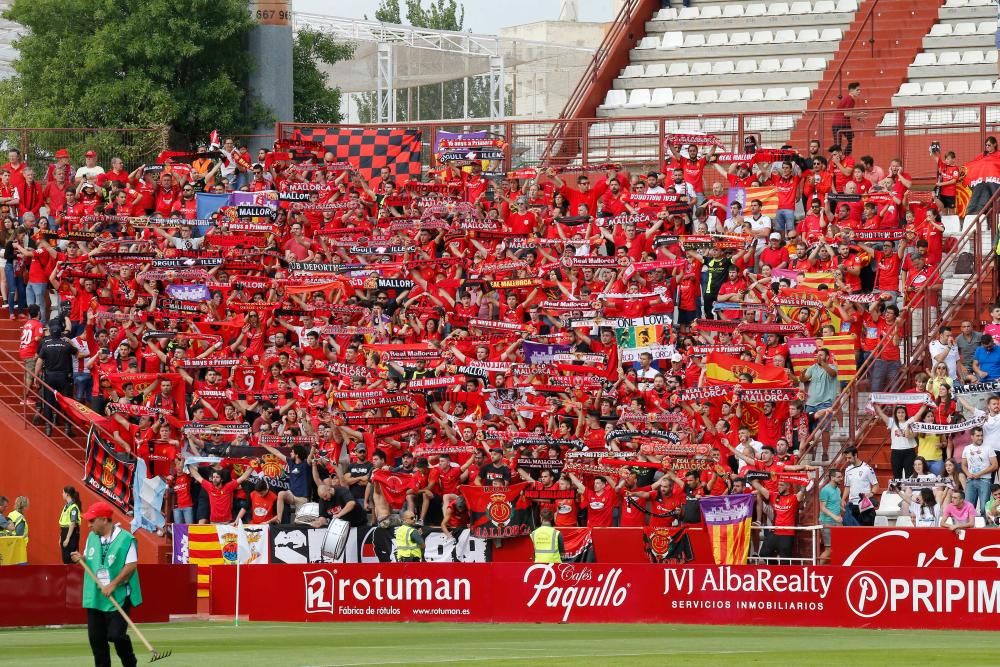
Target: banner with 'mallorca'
x=982 y=176
x=494 y=511
x=109 y=473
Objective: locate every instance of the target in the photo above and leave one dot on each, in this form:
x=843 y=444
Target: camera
x=935 y=147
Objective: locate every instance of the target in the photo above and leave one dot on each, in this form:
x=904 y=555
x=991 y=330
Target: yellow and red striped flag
x=728 y=520
x=803 y=354
x=725 y=369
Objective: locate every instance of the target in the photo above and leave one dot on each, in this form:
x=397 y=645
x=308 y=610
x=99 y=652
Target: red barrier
x=501 y=592
x=611 y=545
x=51 y=594
x=918 y=547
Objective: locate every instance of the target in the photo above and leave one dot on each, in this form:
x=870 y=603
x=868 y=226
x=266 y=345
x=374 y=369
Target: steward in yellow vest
x=548 y=541
x=409 y=541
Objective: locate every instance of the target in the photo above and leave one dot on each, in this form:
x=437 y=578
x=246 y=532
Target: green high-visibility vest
x=112 y=558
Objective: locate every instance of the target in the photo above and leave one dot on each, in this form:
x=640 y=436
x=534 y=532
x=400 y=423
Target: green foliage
x=389 y=12
x=440 y=15
x=314 y=100
x=115 y=63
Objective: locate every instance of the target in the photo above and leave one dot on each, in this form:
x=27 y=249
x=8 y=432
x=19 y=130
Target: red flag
x=394 y=485
x=108 y=472
x=725 y=369
x=494 y=513
x=82 y=415
x=660 y=541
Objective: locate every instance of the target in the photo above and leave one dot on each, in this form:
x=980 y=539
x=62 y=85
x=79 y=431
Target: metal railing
x=920 y=318
x=135 y=146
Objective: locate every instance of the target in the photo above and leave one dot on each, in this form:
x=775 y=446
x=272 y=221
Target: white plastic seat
x=831 y=35
x=979 y=522
x=687 y=13
x=909 y=88
x=701 y=68
x=633 y=71
x=847 y=6
x=752 y=95
x=814 y=64
x=925 y=59
x=996 y=87
x=992 y=55
x=689 y=125
x=678 y=69
x=986 y=28
x=661 y=97
x=665 y=14
x=622 y=128
x=781 y=123
x=824 y=7
x=600 y=130
x=723 y=67
x=684 y=97
x=973 y=57
x=939 y=117
x=656 y=69
x=799 y=93
x=716 y=125
x=762 y=37
x=670 y=126
x=731 y=96
x=775 y=95
x=784 y=36
x=940 y=30
x=710 y=12
x=755 y=9
x=881 y=521
x=961 y=29
x=638 y=98
x=790 y=64
x=949 y=58
x=777 y=9
x=746 y=66
x=891 y=119
x=769 y=65
x=732 y=11
x=904 y=521
x=758 y=123
x=889 y=505
x=672 y=40
x=980 y=87
x=707 y=96
x=955 y=3
x=916 y=119
x=807 y=35
x=615 y=99
x=717 y=39
x=648 y=43
x=693 y=40
x=933 y=88
x=739 y=39
x=800 y=8
x=959 y=87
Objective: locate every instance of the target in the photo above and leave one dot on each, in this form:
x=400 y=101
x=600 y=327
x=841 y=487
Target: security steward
x=55 y=365
x=112 y=556
x=409 y=541
x=548 y=541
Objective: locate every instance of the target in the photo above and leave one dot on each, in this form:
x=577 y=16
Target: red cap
x=100 y=509
x=62 y=152
x=90 y=154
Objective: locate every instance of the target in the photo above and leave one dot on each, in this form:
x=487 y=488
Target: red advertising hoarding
x=915 y=547
x=901 y=597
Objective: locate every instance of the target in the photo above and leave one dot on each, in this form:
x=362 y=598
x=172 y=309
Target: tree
x=106 y=63
x=388 y=12
x=314 y=100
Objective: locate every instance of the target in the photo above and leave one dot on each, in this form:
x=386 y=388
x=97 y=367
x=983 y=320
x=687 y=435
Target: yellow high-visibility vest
x=406 y=546
x=546 y=541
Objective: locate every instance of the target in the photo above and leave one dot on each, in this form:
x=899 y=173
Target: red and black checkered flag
x=108 y=472
x=369 y=149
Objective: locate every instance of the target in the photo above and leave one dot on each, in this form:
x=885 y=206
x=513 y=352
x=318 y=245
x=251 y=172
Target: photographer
x=860 y=487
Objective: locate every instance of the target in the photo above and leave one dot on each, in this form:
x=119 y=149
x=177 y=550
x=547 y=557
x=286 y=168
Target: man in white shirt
x=991 y=429
x=90 y=170
x=978 y=463
x=860 y=483
x=944 y=351
x=760 y=224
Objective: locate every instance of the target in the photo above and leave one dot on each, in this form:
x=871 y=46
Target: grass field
x=343 y=644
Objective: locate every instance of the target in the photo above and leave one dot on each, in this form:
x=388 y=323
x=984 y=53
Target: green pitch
x=344 y=644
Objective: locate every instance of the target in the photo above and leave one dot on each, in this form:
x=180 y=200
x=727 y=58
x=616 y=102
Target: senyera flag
x=494 y=511
x=982 y=176
x=728 y=520
x=725 y=369
x=803 y=354
x=111 y=474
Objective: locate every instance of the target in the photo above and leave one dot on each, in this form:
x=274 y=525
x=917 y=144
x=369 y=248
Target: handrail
x=851 y=391
x=838 y=76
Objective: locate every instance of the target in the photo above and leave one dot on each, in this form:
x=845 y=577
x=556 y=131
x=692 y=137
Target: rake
x=156 y=655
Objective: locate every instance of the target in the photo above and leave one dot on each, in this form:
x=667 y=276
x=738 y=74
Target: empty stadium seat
x=693 y=40
x=687 y=13
x=784 y=36
x=933 y=88
x=679 y=69
x=949 y=58
x=799 y=93
x=684 y=97
x=729 y=96
x=991 y=56
x=633 y=71
x=755 y=9
x=940 y=30
x=665 y=14
x=758 y=123
x=980 y=87
x=904 y=521
x=762 y=37
x=979 y=522
x=777 y=9
x=881 y=521
x=622 y=128
x=717 y=39
x=915 y=118
x=973 y=57
x=701 y=68
x=710 y=12
x=960 y=29
x=775 y=95
x=814 y=64
x=638 y=99
x=831 y=35
x=986 y=28
x=996 y=87
x=800 y=8
x=672 y=40
x=661 y=97
x=909 y=88
x=707 y=96
x=925 y=60
x=807 y=35
x=615 y=99
x=847 y=6
x=723 y=67
x=746 y=66
x=648 y=43
x=939 y=117
x=689 y=125
x=891 y=119
x=732 y=11
x=791 y=64
x=889 y=505
x=959 y=87
x=781 y=123
x=824 y=7
x=752 y=95
x=739 y=39
x=716 y=125
x=769 y=65
x=656 y=69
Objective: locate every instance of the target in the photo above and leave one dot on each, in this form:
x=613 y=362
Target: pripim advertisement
x=886 y=597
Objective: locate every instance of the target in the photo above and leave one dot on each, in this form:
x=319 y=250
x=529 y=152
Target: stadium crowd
x=621 y=337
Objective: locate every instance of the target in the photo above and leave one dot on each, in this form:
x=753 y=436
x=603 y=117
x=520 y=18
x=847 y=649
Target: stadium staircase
x=38 y=466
